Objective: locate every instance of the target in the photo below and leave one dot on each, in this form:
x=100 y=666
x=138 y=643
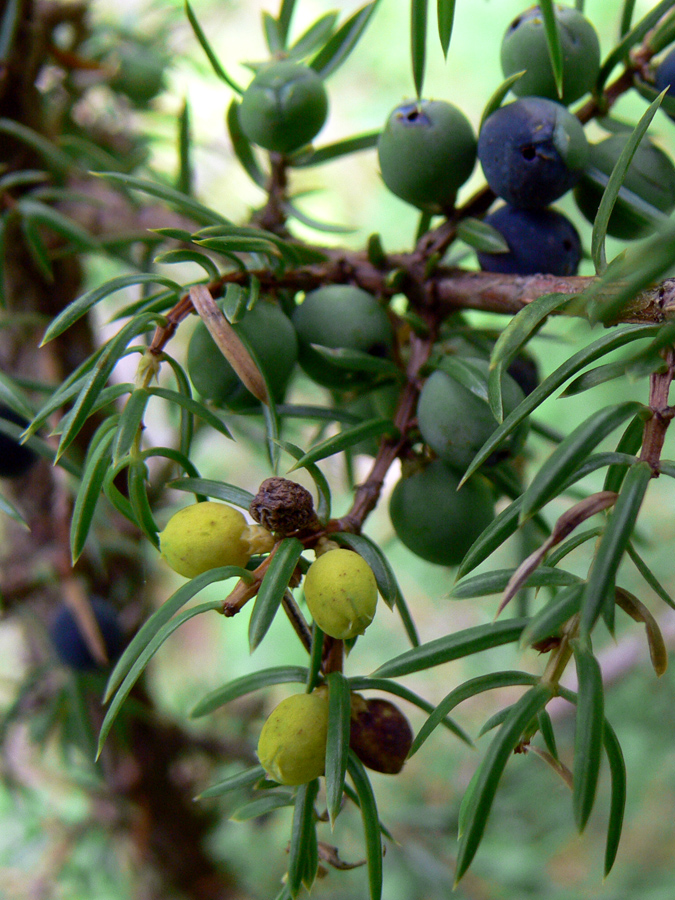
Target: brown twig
x=297 y=620
x=272 y=217
x=661 y=413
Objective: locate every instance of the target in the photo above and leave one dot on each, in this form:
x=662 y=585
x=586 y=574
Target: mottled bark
x=35 y=568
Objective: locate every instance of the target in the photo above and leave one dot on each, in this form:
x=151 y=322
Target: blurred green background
x=58 y=839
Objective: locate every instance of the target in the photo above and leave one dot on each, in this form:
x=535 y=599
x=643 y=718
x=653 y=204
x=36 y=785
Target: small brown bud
x=284 y=507
x=547 y=644
x=380 y=734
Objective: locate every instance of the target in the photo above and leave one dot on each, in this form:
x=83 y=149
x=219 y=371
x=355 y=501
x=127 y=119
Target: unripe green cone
x=341 y=593
x=140 y=71
x=207 y=535
x=650 y=177
x=284 y=107
x=292 y=743
x=455 y=422
x=435 y=520
x=271 y=336
x=426 y=152
x=340 y=315
x=524 y=47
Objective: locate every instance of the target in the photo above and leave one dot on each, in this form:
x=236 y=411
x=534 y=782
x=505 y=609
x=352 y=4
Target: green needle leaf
x=617 y=769
x=206 y=47
x=136 y=669
x=616 y=179
x=262 y=806
x=95 y=470
x=649 y=576
x=509 y=343
x=341 y=44
x=496 y=581
x=502 y=527
x=272 y=36
x=218 y=490
x=347 y=438
x=495 y=100
x=547 y=733
x=10 y=510
x=630 y=442
x=337 y=745
x=463 y=692
x=233 y=783
x=329 y=152
x=371 y=824
x=191 y=208
x=575 y=363
x=553 y=42
x=482 y=237
x=284 y=19
x=161 y=616
x=87 y=301
x=571 y=453
x=246 y=685
x=588 y=733
x=274 y=585
x=130 y=423
x=418 y=41
x=626 y=16
x=485 y=787
x=97 y=378
x=446 y=15
x=317 y=33
x=242 y=147
x=453 y=646
x=303 y=856
x=613 y=544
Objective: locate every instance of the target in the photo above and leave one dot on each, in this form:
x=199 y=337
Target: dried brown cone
x=380 y=734
x=284 y=507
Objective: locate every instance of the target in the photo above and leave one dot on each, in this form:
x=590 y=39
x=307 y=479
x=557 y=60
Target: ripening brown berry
x=380 y=734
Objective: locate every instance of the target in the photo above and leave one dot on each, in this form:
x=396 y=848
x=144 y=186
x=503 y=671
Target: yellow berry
x=206 y=535
x=292 y=743
x=341 y=593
